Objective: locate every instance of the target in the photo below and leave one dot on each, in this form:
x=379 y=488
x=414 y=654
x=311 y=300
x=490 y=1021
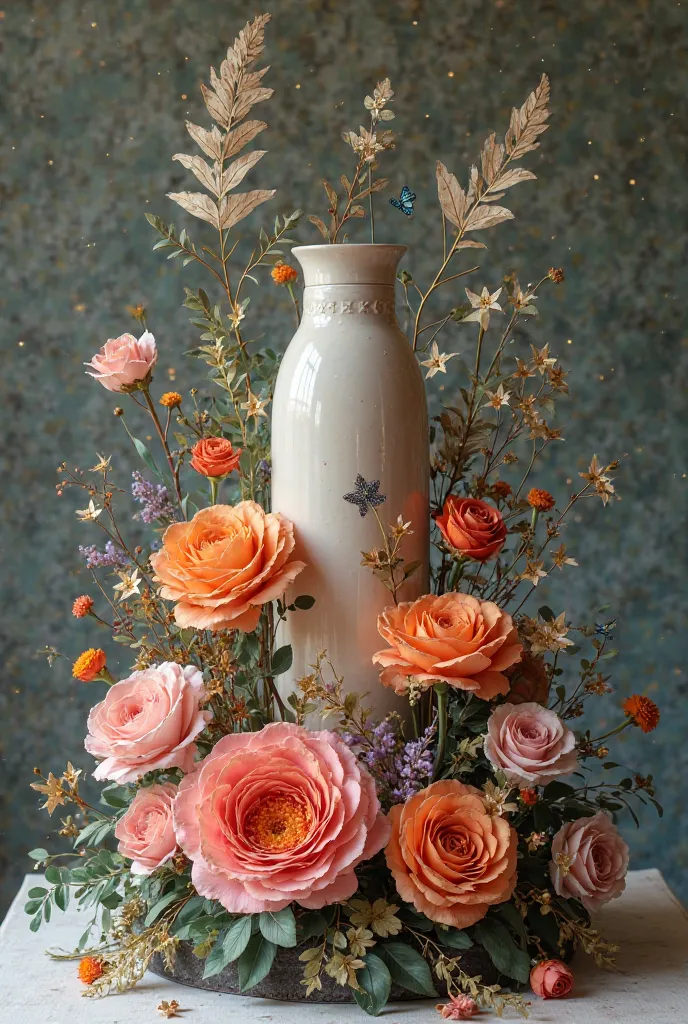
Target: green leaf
x=189 y=912
x=375 y=981
x=237 y=937
x=216 y=960
x=454 y=938
x=502 y=950
x=304 y=602
x=35 y=923
x=555 y=790
x=52 y=875
x=279 y=926
x=311 y=924
x=32 y=906
x=146 y=456
x=38 y=854
x=282 y=659
x=546 y=613
x=61 y=896
x=255 y=962
x=407 y=967
x=94 y=833
x=157 y=908
x=37 y=893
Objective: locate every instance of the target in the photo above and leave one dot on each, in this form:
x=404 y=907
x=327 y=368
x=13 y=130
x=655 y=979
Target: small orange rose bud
x=82 y=606
x=89 y=665
x=215 y=457
x=282 y=273
x=539 y=499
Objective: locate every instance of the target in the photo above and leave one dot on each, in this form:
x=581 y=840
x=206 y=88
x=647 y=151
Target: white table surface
x=651 y=985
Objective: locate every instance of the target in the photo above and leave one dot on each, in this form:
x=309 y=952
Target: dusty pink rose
x=124 y=361
x=589 y=861
x=530 y=744
x=551 y=979
x=146 y=832
x=459 y=1007
x=278 y=815
x=147 y=721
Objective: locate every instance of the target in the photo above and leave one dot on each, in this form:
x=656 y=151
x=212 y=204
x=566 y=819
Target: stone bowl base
x=283 y=981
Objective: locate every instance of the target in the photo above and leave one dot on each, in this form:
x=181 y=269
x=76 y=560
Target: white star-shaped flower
x=496 y=399
x=437 y=363
x=255 y=406
x=90 y=513
x=482 y=304
x=129 y=585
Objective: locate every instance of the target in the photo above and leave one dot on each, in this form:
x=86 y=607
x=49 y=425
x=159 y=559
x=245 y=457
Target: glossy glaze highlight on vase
x=349 y=400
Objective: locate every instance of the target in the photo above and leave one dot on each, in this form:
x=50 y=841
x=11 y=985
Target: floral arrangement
x=389 y=849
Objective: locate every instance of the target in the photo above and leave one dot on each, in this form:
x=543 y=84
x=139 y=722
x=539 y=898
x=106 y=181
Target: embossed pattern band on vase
x=349 y=400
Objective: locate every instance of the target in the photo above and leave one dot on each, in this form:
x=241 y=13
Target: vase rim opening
x=345 y=263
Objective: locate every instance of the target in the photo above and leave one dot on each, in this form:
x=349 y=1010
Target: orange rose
x=224 y=564
x=449 y=857
x=455 y=639
x=215 y=456
x=472 y=527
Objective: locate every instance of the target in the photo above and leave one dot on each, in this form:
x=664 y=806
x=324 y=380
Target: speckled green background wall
x=94 y=100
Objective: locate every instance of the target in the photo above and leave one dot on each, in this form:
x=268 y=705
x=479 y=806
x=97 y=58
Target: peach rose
x=278 y=815
x=529 y=681
x=551 y=979
x=530 y=744
x=455 y=638
x=449 y=856
x=215 y=456
x=147 y=721
x=589 y=861
x=224 y=564
x=146 y=831
x=123 y=362
x=472 y=527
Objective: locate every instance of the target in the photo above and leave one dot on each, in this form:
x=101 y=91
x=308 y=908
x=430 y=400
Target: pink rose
x=147 y=721
x=146 y=832
x=278 y=815
x=530 y=744
x=123 y=362
x=551 y=979
x=459 y=1007
x=589 y=861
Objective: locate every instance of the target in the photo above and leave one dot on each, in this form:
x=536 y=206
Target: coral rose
x=224 y=564
x=278 y=815
x=551 y=979
x=529 y=681
x=589 y=861
x=215 y=456
x=530 y=744
x=146 y=831
x=459 y=1007
x=122 y=363
x=147 y=721
x=449 y=856
x=472 y=527
x=455 y=638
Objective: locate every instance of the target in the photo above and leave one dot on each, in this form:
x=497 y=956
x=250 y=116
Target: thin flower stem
x=163 y=441
x=441 y=690
x=297 y=311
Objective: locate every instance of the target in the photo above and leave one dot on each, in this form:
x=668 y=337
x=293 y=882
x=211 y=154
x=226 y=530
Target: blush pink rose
x=530 y=744
x=147 y=721
x=278 y=815
x=146 y=831
x=589 y=861
x=123 y=362
x=551 y=979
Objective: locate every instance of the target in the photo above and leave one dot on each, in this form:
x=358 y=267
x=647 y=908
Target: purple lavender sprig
x=111 y=557
x=399 y=768
x=154 y=498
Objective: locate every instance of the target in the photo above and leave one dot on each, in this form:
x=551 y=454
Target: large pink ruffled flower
x=123 y=362
x=530 y=744
x=589 y=861
x=223 y=565
x=453 y=638
x=147 y=721
x=278 y=815
x=146 y=831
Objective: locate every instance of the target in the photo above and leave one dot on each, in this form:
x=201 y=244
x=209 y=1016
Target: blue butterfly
x=405 y=201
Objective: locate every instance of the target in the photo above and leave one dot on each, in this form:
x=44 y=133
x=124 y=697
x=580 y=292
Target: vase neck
x=347 y=265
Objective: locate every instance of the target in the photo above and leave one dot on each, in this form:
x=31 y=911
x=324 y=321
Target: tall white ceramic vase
x=349 y=400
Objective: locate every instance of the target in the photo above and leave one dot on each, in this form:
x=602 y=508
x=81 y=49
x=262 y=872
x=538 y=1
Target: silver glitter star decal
x=365 y=495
